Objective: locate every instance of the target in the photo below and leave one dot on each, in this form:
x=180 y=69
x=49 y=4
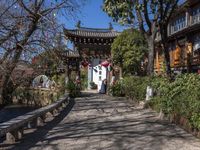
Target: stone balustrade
x=13 y=129
x=38 y=97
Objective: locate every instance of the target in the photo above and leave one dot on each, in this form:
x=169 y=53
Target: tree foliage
x=180 y=97
x=120 y=11
x=128 y=50
x=150 y=16
x=27 y=27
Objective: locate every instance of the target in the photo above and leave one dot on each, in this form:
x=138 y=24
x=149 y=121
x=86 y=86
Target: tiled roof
x=91 y=32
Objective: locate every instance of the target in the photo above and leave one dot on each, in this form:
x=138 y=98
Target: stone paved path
x=103 y=123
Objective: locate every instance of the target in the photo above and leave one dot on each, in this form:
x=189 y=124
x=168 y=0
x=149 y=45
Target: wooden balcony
x=190 y=23
x=195 y=19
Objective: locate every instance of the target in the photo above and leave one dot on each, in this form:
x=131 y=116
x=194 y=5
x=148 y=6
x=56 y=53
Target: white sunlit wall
x=96 y=73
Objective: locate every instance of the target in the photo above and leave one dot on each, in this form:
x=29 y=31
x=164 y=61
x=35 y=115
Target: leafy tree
x=26 y=28
x=150 y=16
x=128 y=50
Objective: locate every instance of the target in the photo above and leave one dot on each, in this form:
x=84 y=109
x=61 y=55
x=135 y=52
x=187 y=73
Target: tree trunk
x=150 y=66
x=7 y=93
x=7 y=86
x=189 y=63
x=164 y=37
x=167 y=58
x=7 y=89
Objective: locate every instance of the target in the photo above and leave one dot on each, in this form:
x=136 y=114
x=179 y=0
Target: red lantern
x=105 y=63
x=84 y=63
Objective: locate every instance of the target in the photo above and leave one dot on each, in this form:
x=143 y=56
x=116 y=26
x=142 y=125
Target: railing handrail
x=21 y=121
x=191 y=23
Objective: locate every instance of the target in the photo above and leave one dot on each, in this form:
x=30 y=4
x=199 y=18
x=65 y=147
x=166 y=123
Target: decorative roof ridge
x=91 y=33
x=92 y=29
x=95 y=29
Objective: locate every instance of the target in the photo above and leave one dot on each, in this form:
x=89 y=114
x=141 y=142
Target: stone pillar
x=12 y=137
x=29 y=125
x=60 y=108
x=39 y=121
x=55 y=112
x=64 y=104
x=20 y=133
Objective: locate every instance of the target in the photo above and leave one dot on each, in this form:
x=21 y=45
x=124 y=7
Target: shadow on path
x=36 y=136
x=100 y=122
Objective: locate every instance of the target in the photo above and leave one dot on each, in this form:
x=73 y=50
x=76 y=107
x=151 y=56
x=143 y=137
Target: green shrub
x=117 y=89
x=160 y=87
x=74 y=91
x=84 y=79
x=36 y=96
x=93 y=86
x=70 y=86
x=181 y=97
x=60 y=81
x=135 y=87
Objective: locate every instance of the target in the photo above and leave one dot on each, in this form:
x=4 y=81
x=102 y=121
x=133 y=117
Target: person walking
x=103 y=87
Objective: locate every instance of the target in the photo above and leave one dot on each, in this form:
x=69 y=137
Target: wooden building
x=94 y=47
x=183 y=40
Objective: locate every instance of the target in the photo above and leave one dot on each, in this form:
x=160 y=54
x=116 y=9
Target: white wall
x=99 y=73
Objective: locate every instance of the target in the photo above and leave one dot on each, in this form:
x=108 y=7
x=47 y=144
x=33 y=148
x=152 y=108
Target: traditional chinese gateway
x=94 y=47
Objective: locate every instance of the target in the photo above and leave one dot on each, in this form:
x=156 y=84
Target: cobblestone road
x=103 y=123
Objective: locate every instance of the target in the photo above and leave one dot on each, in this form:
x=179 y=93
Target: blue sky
x=93 y=16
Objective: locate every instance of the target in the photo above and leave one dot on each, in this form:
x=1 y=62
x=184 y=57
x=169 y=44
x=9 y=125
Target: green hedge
x=38 y=97
x=117 y=89
x=73 y=89
x=180 y=97
x=133 y=87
